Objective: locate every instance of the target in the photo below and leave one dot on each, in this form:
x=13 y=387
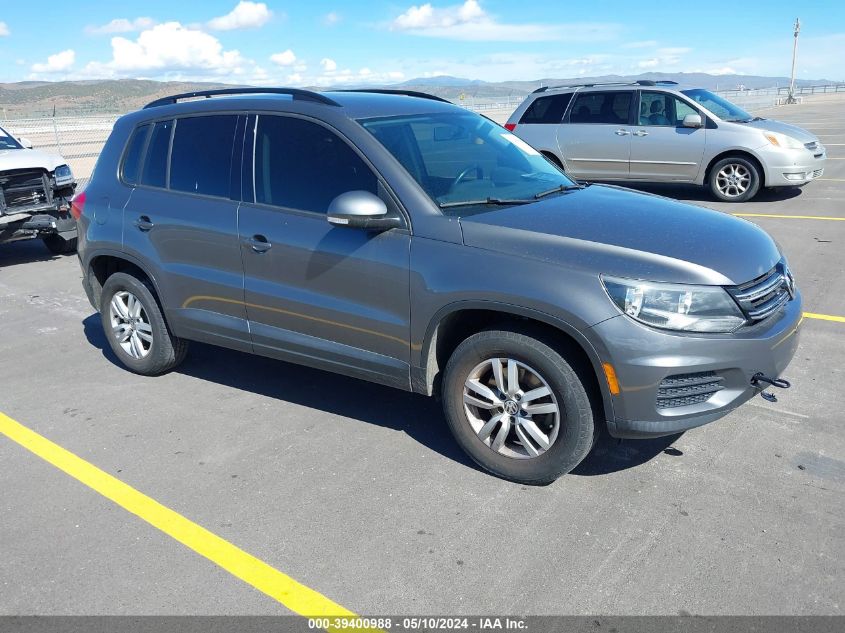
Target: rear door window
x=601 y=107
x=547 y=110
x=154 y=173
x=201 y=158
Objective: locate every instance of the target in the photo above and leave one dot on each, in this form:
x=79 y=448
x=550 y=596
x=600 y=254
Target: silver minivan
x=651 y=131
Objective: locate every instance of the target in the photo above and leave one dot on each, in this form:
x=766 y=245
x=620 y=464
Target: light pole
x=791 y=96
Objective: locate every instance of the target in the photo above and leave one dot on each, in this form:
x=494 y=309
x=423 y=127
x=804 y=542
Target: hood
x=616 y=231
x=784 y=128
x=29 y=159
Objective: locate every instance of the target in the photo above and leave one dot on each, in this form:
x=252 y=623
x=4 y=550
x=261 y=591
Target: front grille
x=683 y=390
x=761 y=297
x=817 y=173
x=23 y=189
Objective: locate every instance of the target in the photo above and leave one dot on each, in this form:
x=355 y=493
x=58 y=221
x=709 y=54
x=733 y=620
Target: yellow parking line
x=787 y=217
x=824 y=317
x=281 y=587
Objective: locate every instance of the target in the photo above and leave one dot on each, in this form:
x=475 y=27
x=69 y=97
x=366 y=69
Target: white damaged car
x=35 y=192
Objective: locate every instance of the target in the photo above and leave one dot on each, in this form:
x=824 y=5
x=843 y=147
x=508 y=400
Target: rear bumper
x=643 y=358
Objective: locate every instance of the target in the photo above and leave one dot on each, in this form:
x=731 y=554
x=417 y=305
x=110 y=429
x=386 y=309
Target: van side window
x=132 y=157
x=154 y=172
x=547 y=109
x=601 y=107
x=201 y=158
x=303 y=165
x=661 y=108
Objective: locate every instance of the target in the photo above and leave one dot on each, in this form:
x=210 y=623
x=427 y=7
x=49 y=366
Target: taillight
x=510 y=127
x=77 y=205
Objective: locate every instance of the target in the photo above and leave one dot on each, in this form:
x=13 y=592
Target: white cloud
x=246 y=15
x=329 y=65
x=121 y=25
x=331 y=18
x=168 y=48
x=642 y=44
x=285 y=58
x=649 y=63
x=60 y=62
x=4 y=29
x=470 y=22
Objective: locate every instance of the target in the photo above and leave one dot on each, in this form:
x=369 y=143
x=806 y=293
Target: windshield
x=463 y=160
x=722 y=108
x=7 y=141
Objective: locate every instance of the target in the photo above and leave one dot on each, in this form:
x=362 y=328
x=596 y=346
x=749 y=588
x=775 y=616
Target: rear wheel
x=136 y=329
x=517 y=407
x=58 y=245
x=734 y=179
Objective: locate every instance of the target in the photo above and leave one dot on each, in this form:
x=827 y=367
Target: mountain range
x=72 y=98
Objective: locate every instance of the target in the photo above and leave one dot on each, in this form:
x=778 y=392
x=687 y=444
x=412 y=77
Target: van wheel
x=517 y=407
x=734 y=179
x=135 y=327
x=58 y=245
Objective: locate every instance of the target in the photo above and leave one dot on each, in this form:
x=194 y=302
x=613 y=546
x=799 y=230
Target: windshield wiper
x=487 y=201
x=557 y=189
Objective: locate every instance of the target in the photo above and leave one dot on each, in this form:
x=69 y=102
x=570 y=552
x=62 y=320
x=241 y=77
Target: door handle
x=621 y=132
x=640 y=133
x=144 y=223
x=258 y=243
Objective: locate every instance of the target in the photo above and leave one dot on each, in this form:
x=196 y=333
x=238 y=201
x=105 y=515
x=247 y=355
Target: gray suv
x=400 y=239
x=660 y=132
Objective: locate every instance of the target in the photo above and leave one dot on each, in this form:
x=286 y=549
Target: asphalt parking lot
x=358 y=491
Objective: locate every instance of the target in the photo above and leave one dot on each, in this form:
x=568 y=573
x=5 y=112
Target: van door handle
x=144 y=223
x=621 y=132
x=258 y=243
x=640 y=133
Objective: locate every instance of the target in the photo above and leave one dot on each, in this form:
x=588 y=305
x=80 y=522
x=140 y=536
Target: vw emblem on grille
x=789 y=281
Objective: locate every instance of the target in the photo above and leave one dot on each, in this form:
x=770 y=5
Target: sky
x=295 y=43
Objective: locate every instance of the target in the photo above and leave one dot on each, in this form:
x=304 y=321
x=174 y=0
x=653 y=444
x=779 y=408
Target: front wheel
x=517 y=407
x=59 y=245
x=734 y=179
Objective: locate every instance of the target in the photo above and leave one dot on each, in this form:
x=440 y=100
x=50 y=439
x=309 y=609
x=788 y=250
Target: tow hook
x=760 y=377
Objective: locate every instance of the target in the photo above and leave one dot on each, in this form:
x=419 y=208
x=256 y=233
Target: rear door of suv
x=181 y=222
x=329 y=296
x=595 y=136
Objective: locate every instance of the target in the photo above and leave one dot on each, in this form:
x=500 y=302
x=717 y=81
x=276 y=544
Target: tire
x=734 y=179
x=139 y=336
x=58 y=245
x=537 y=366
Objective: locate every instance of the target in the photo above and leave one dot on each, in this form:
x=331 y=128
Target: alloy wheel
x=130 y=324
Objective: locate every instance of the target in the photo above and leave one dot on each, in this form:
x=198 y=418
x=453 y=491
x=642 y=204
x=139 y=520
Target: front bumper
x=793 y=168
x=646 y=360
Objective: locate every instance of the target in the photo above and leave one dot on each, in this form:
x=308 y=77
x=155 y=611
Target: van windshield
x=463 y=160
x=719 y=106
x=7 y=141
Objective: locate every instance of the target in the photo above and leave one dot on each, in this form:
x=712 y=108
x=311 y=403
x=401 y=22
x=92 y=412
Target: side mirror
x=692 y=120
x=25 y=142
x=361 y=210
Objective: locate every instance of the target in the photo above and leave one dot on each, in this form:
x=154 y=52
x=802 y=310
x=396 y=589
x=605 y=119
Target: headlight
x=63 y=173
x=782 y=140
x=675 y=306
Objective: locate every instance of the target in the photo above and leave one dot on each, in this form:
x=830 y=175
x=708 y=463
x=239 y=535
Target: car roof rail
x=639 y=82
x=390 y=91
x=295 y=93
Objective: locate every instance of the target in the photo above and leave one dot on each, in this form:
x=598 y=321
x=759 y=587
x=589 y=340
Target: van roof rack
x=639 y=82
x=295 y=93
x=389 y=91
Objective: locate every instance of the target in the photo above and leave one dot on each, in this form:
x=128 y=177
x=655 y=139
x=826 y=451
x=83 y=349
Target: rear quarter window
x=133 y=156
x=547 y=110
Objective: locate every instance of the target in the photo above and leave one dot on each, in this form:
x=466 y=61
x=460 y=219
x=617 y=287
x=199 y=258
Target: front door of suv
x=328 y=296
x=662 y=149
x=181 y=223
x=595 y=138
